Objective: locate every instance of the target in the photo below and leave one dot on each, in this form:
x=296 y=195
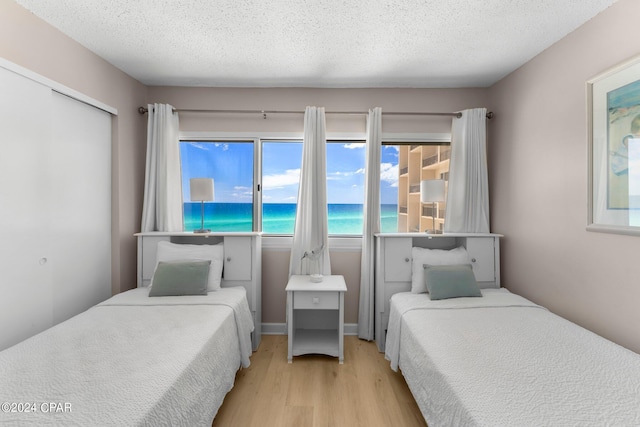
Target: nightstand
x=315 y=316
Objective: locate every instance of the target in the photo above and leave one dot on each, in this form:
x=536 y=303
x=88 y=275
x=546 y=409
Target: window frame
x=290 y=139
x=283 y=242
x=430 y=140
x=330 y=140
x=257 y=172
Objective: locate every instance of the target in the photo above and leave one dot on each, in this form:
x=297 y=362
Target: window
x=390 y=206
x=402 y=168
x=230 y=164
x=281 y=162
x=345 y=186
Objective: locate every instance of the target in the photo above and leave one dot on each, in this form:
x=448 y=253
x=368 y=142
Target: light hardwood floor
x=317 y=391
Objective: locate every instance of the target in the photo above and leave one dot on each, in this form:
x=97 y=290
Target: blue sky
x=231 y=167
x=229 y=164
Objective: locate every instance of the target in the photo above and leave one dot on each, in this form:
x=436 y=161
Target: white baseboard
x=274 y=329
x=281 y=329
x=351 y=329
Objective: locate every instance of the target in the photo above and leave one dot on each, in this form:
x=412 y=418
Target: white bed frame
x=393 y=265
x=242 y=263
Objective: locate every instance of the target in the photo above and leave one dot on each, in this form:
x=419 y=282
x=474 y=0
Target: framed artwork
x=614 y=149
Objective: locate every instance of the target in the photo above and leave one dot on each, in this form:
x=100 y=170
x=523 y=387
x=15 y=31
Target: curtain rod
x=144 y=110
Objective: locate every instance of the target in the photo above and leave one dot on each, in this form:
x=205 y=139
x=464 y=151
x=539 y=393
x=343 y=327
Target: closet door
x=55 y=207
x=80 y=233
x=25 y=265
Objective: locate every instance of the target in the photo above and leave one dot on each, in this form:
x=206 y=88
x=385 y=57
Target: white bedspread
x=132 y=360
x=501 y=360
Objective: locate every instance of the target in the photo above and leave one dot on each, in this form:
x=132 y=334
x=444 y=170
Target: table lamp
x=201 y=190
x=432 y=191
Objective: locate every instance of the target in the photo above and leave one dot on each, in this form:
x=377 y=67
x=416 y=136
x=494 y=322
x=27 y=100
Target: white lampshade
x=432 y=190
x=201 y=189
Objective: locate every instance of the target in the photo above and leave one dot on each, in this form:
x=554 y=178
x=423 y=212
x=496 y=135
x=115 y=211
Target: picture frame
x=613 y=108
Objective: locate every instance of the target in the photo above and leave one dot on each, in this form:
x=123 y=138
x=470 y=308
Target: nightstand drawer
x=316 y=300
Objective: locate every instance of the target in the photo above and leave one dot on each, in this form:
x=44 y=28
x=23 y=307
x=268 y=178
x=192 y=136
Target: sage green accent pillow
x=422 y=256
x=167 y=251
x=175 y=278
x=450 y=281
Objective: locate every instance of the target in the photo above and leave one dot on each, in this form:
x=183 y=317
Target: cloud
x=242 y=192
x=338 y=175
x=224 y=145
x=389 y=174
x=354 y=145
x=245 y=195
x=200 y=145
x=289 y=177
x=394 y=150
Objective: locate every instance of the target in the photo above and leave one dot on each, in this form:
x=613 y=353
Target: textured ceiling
x=317 y=43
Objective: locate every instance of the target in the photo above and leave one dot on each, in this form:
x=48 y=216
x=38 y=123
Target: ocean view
x=279 y=218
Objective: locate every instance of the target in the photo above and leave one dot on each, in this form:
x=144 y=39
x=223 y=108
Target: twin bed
x=490 y=360
x=135 y=359
x=501 y=360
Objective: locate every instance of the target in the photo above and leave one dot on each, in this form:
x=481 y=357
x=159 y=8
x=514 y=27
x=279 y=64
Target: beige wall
x=275 y=273
x=275 y=265
x=295 y=99
x=31 y=43
x=538 y=179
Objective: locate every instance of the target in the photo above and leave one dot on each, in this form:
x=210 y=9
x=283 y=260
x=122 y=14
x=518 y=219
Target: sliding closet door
x=55 y=207
x=25 y=265
x=80 y=185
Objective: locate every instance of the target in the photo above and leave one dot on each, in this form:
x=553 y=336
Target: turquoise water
x=279 y=218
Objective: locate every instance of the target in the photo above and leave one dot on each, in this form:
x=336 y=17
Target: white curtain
x=311 y=227
x=162 y=208
x=371 y=223
x=468 y=195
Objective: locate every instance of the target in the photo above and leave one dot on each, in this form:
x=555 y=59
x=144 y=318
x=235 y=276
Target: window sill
x=336 y=243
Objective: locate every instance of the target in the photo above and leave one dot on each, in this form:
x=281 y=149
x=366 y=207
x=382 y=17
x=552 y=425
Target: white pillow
x=168 y=251
x=421 y=256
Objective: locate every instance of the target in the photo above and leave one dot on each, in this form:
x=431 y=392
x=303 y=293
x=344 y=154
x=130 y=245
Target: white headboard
x=242 y=263
x=393 y=265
